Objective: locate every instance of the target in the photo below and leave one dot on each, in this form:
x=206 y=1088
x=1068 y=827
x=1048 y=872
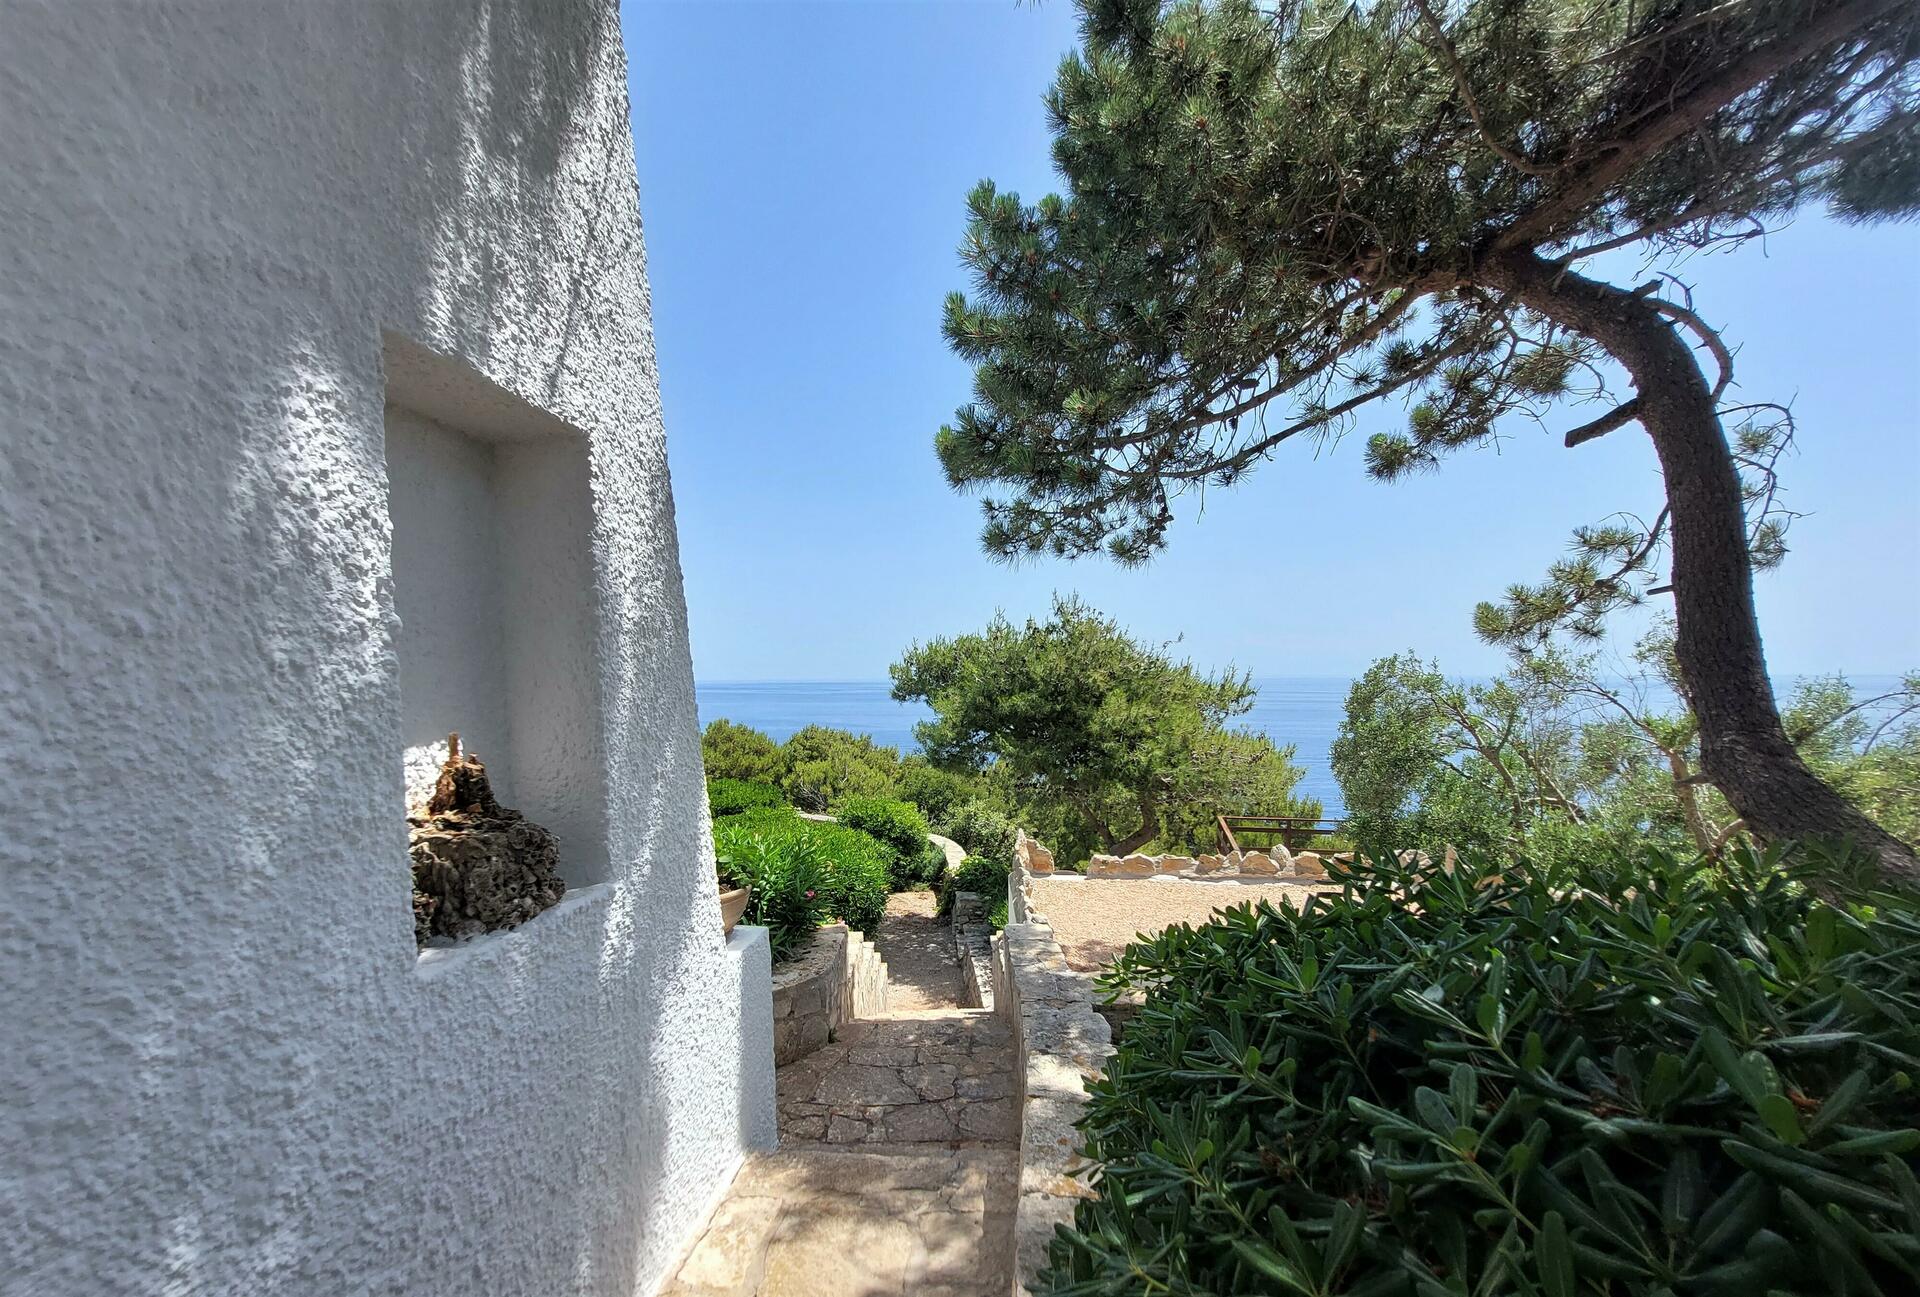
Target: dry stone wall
x=1277 y=862
x=1030 y=860
x=1061 y=1043
x=973 y=947
x=840 y=977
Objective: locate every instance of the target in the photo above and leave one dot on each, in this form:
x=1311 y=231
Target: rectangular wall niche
x=493 y=582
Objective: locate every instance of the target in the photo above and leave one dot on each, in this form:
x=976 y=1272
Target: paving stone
x=806 y=1128
x=884 y=1055
x=845 y=1130
x=828 y=1223
x=864 y=1085
x=991 y=1085
x=920 y=1123
x=933 y=1081
x=728 y=1253
x=988 y=1119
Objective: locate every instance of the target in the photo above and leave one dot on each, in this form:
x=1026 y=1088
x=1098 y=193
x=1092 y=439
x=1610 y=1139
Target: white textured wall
x=446 y=561
x=225 y=1068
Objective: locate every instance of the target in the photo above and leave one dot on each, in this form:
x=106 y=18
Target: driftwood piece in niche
x=477 y=866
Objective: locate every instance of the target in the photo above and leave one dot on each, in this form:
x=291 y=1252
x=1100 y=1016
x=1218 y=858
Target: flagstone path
x=917 y=944
x=898 y=1163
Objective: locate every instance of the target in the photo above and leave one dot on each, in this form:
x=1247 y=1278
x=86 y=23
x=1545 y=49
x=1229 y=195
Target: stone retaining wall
x=1061 y=1042
x=1031 y=860
x=840 y=977
x=973 y=947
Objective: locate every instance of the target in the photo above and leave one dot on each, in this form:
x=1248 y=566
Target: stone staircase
x=898 y=1167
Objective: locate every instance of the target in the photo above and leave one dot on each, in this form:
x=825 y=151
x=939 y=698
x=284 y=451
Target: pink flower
x=809 y=893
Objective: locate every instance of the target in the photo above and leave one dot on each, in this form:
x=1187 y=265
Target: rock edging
x=1277 y=862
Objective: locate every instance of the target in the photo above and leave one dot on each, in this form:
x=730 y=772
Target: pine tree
x=1279 y=215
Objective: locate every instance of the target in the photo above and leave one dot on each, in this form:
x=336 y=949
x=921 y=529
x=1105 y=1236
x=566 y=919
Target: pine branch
x=1621 y=415
x=1684 y=115
x=1451 y=56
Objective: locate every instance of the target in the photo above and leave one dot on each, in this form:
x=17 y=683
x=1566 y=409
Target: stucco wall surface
x=227 y=1068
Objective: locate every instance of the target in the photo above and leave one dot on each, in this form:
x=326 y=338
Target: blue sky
x=802 y=170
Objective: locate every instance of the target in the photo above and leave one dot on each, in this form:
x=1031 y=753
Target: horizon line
x=1776 y=675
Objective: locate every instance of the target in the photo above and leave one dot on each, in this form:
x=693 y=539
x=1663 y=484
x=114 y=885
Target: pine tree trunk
x=1743 y=747
x=1132 y=842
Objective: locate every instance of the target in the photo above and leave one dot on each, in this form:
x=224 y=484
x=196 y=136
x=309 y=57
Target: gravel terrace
x=1094 y=919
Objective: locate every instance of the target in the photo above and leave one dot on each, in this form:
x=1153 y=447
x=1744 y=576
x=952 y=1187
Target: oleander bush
x=899 y=827
x=788 y=875
x=854 y=881
x=732 y=796
x=1635 y=1076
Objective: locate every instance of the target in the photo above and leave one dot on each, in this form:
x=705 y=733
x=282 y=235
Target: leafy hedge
x=1636 y=1077
x=854 y=883
x=900 y=828
x=732 y=796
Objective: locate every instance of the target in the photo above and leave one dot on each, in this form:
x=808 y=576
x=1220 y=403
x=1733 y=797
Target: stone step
x=818 y=1222
x=930 y=1015
x=939 y=1077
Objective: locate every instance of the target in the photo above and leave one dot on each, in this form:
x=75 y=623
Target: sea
x=1304 y=711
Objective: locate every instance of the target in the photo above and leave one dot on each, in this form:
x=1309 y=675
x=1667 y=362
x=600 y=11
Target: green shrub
x=821 y=767
x=983 y=874
x=1635 y=1077
x=898 y=827
x=733 y=751
x=854 y=882
x=732 y=796
x=936 y=792
x=981 y=831
x=788 y=877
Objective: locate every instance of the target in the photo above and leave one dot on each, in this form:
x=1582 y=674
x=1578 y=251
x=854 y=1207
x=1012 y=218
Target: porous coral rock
x=477 y=866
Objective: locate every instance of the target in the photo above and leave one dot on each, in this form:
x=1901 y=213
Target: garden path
x=922 y=969
x=898 y=1164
